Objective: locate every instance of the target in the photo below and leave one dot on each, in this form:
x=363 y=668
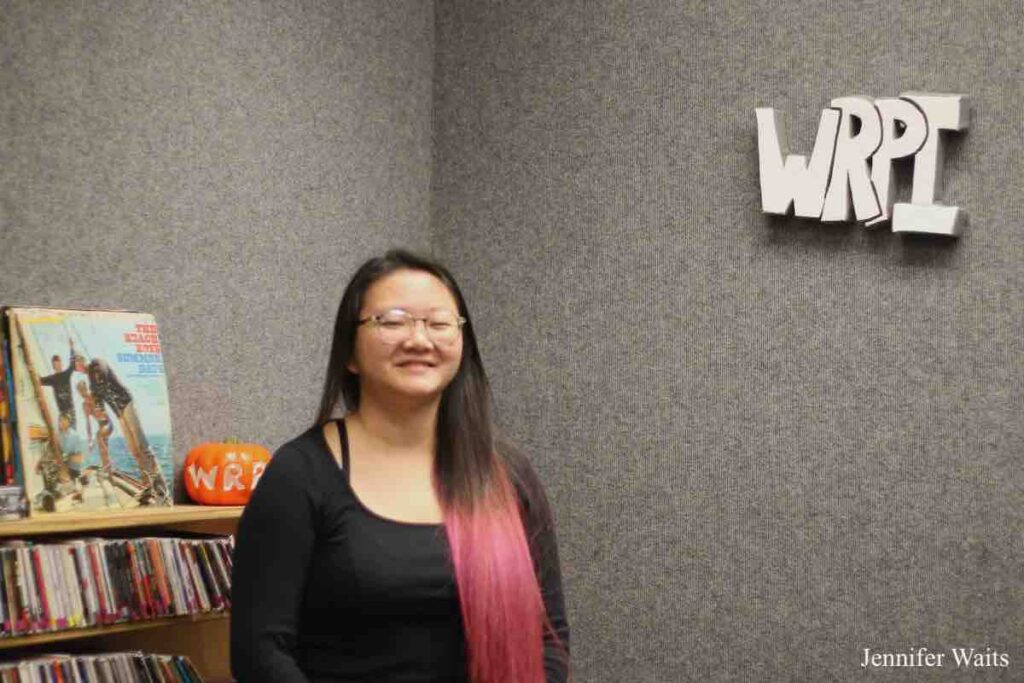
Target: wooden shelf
x=177 y=516
x=76 y=633
x=204 y=638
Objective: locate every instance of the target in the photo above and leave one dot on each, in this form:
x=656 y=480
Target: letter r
x=850 y=174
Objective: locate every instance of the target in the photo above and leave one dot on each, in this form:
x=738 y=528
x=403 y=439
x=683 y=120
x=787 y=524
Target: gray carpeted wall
x=770 y=443
x=222 y=165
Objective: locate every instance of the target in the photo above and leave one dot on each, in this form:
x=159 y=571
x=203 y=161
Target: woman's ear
x=351 y=367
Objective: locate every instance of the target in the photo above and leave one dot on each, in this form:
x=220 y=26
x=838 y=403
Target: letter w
x=198 y=475
x=788 y=179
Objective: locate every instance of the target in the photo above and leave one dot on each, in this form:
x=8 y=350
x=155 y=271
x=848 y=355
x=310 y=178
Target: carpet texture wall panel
x=770 y=442
x=224 y=166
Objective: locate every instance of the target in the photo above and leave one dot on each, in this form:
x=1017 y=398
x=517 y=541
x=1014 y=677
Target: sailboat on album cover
x=93 y=415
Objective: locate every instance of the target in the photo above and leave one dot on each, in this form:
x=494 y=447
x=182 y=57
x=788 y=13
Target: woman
x=399 y=543
x=104 y=428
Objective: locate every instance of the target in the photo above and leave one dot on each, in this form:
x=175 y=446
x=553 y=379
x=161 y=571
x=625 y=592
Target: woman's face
x=415 y=366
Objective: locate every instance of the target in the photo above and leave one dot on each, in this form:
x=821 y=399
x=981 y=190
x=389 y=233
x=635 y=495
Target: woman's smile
x=416 y=366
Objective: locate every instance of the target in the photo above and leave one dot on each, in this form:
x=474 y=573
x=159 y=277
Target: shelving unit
x=205 y=518
x=78 y=633
x=203 y=638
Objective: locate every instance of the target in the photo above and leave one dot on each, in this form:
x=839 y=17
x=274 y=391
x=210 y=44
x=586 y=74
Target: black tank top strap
x=333 y=440
x=343 y=436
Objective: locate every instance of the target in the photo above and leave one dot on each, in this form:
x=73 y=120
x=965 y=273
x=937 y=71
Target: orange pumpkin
x=224 y=473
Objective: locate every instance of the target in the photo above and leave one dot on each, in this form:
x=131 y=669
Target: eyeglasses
x=394 y=326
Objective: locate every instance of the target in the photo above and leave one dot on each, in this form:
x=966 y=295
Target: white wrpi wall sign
x=851 y=167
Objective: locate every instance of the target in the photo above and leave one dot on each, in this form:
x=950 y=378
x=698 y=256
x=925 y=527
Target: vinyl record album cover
x=94 y=424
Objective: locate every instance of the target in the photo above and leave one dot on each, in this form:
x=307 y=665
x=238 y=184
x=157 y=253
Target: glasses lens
x=443 y=327
x=394 y=326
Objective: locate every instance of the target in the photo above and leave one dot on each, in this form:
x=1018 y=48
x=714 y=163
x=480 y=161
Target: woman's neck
x=411 y=429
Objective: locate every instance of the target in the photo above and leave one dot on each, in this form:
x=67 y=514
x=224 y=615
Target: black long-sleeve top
x=60 y=382
x=105 y=387
x=324 y=589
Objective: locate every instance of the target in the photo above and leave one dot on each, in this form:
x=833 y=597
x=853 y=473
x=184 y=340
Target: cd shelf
x=202 y=637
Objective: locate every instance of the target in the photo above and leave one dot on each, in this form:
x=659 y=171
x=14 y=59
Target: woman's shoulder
x=524 y=477
x=519 y=463
x=512 y=455
x=303 y=456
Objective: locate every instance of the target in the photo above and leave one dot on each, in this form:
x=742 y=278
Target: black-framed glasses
x=394 y=326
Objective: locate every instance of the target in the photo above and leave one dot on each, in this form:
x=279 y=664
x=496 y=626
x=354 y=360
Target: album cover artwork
x=93 y=416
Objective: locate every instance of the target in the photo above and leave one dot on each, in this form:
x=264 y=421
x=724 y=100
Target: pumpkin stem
x=232 y=439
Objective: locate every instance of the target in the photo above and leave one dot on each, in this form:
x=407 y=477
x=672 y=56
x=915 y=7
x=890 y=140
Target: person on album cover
x=73 y=452
x=104 y=427
x=106 y=388
x=403 y=541
x=57 y=483
x=60 y=382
